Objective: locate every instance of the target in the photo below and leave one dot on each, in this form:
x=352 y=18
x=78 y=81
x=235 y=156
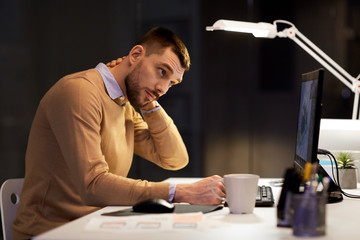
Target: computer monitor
x=309 y=116
x=308 y=127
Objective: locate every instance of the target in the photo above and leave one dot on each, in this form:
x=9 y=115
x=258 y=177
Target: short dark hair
x=159 y=38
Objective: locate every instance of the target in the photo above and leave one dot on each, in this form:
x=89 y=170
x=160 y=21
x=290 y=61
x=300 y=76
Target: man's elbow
x=184 y=162
x=178 y=163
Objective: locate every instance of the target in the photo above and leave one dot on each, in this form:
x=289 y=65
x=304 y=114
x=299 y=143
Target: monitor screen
x=308 y=128
x=309 y=118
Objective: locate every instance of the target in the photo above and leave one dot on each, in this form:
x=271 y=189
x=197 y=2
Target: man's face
x=152 y=77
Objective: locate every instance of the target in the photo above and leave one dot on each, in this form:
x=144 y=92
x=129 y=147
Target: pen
x=307 y=172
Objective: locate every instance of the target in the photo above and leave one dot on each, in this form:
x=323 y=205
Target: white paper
x=146 y=223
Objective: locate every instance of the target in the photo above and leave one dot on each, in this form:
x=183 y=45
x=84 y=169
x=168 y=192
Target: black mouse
x=154 y=205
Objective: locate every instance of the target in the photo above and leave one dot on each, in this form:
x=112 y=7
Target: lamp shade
x=261 y=29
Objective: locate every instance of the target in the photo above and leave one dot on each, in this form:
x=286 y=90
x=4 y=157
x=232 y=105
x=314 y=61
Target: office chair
x=10 y=199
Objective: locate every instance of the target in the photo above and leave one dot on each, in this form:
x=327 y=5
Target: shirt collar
x=112 y=87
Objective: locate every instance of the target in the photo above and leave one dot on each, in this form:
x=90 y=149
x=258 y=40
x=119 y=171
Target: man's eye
x=162 y=72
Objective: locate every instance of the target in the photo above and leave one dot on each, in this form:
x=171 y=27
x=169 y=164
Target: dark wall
x=251 y=89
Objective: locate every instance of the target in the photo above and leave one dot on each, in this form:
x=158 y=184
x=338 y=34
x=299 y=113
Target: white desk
x=342 y=223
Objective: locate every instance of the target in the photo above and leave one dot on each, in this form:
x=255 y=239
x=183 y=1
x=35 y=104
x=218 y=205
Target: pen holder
x=309 y=212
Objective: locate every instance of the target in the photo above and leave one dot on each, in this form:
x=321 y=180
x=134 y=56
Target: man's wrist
x=179 y=193
x=154 y=108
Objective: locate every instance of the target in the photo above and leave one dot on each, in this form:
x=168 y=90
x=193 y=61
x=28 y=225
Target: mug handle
x=212 y=190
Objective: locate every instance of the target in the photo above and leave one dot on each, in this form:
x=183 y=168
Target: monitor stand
x=334 y=191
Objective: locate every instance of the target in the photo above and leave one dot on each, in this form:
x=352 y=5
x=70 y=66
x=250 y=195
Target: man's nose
x=162 y=88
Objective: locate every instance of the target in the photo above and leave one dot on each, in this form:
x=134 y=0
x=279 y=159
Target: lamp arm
x=331 y=69
x=352 y=83
x=356 y=106
x=319 y=56
x=327 y=58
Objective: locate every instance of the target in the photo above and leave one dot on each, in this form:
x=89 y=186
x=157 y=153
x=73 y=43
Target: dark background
x=237 y=107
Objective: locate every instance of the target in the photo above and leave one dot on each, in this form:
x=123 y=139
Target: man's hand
x=113 y=63
x=199 y=192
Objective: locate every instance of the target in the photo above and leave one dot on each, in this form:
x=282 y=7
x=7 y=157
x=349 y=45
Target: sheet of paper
x=147 y=222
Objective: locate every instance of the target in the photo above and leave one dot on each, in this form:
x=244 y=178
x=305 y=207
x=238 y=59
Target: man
x=86 y=130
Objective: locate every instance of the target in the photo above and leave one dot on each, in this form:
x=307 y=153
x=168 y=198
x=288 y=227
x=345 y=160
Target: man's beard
x=133 y=89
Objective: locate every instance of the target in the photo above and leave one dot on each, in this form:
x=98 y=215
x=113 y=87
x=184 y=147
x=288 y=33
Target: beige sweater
x=80 y=150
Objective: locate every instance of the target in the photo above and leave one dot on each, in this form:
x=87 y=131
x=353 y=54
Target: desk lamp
x=268 y=30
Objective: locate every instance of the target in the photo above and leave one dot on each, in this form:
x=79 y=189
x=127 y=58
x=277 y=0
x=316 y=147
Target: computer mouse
x=154 y=205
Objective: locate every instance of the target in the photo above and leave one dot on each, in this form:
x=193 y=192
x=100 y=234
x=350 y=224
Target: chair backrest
x=10 y=199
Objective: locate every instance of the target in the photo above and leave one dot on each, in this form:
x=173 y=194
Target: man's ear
x=136 y=53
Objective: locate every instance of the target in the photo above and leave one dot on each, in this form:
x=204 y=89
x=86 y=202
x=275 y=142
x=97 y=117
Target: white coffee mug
x=241 y=190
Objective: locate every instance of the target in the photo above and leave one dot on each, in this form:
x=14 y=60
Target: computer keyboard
x=264 y=197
